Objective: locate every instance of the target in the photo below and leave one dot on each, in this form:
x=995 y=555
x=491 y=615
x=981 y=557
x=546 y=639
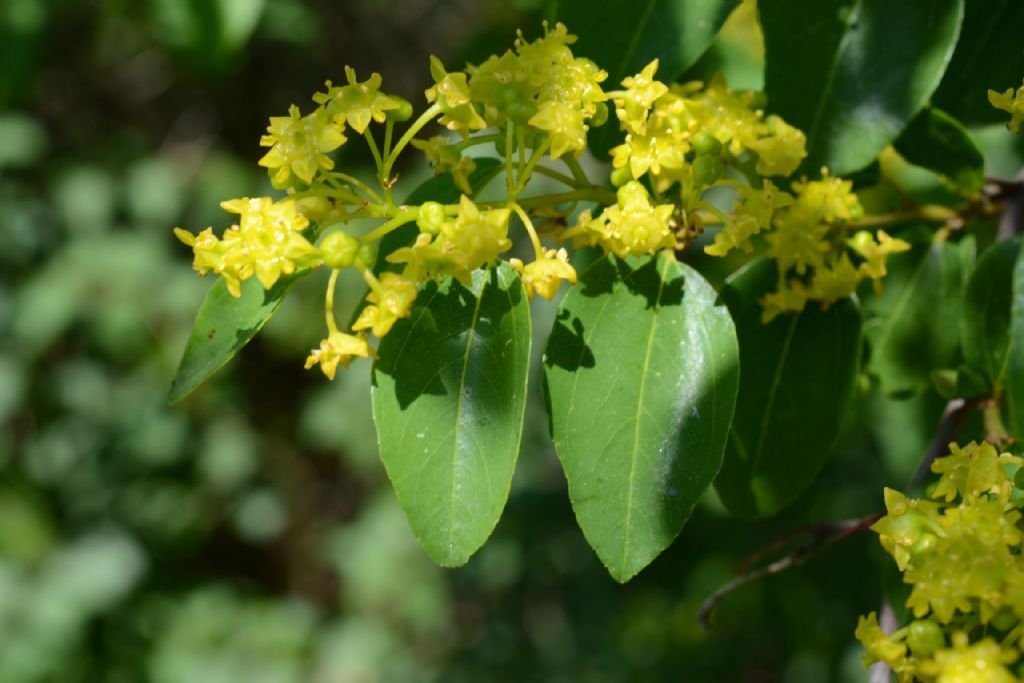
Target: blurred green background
x=249 y=533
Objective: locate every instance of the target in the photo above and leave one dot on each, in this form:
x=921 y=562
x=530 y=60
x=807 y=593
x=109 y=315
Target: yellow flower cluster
x=267 y=242
x=1010 y=101
x=806 y=233
x=664 y=124
x=633 y=225
x=960 y=552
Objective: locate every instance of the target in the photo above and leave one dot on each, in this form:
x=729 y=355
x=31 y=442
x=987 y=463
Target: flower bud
x=366 y=257
x=704 y=143
x=621 y=176
x=706 y=170
x=431 y=217
x=521 y=111
x=600 y=116
x=339 y=249
x=924 y=638
x=403 y=112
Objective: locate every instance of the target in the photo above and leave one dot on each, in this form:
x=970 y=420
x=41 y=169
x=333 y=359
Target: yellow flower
x=973 y=471
x=983 y=662
x=1010 y=102
x=451 y=92
x=476 y=237
x=831 y=283
x=753 y=215
x=880 y=646
x=790 y=297
x=338 y=348
x=876 y=253
x=267 y=242
x=780 y=148
x=544 y=275
x=635 y=226
x=829 y=199
x=799 y=240
x=299 y=144
x=427 y=258
x=908 y=522
x=633 y=103
x=563 y=122
x=392 y=298
x=356 y=104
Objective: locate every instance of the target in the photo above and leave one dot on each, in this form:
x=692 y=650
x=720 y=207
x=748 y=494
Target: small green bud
x=431 y=217
x=366 y=257
x=404 y=111
x=704 y=143
x=706 y=170
x=621 y=176
x=600 y=116
x=925 y=637
x=339 y=249
x=1004 y=619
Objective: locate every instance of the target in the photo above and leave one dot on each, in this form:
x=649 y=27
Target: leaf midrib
x=812 y=134
x=636 y=420
x=471 y=335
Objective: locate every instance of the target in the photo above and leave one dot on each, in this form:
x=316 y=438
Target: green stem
x=560 y=177
x=389 y=128
x=368 y=134
x=360 y=184
x=524 y=173
x=339 y=193
x=403 y=217
x=509 y=178
x=528 y=224
x=426 y=117
x=715 y=211
x=332 y=325
x=592 y=194
x=577 y=171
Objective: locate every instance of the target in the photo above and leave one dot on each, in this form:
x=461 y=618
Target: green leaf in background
x=988 y=299
x=441 y=189
x=623 y=36
x=988 y=55
x=449 y=391
x=918 y=316
x=851 y=74
x=641 y=374
x=937 y=141
x=1014 y=378
x=797 y=381
x=223 y=326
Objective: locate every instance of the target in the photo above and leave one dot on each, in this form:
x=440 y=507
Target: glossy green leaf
x=623 y=36
x=1014 y=378
x=918 y=316
x=798 y=376
x=223 y=326
x=449 y=391
x=937 y=141
x=985 y=324
x=641 y=375
x=988 y=55
x=852 y=74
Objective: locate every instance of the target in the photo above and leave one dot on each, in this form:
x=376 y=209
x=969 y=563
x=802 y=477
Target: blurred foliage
x=249 y=534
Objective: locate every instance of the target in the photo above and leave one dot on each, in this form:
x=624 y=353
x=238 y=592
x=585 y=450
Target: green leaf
x=937 y=141
x=988 y=55
x=623 y=36
x=449 y=391
x=223 y=326
x=1014 y=378
x=851 y=74
x=918 y=316
x=641 y=375
x=988 y=300
x=799 y=373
